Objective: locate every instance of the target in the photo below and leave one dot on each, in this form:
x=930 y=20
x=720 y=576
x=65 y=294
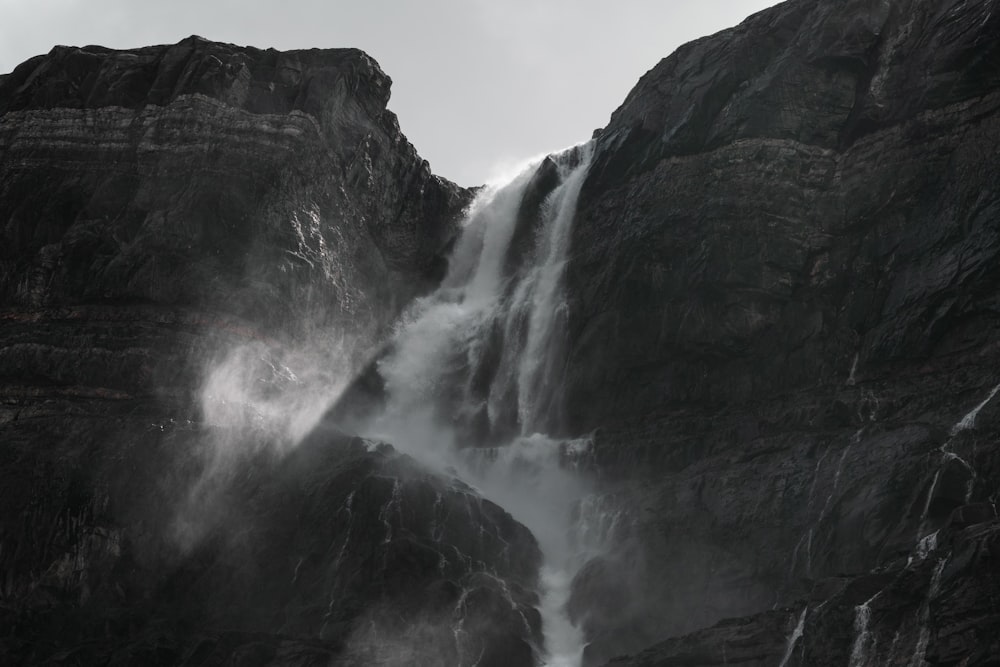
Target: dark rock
x=334 y=542
x=782 y=302
x=970 y=515
x=272 y=186
x=758 y=641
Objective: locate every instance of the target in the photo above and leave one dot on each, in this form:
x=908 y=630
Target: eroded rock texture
x=784 y=300
x=161 y=210
x=257 y=183
x=782 y=342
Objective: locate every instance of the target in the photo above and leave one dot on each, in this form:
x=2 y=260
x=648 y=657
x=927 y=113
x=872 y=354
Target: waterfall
x=472 y=373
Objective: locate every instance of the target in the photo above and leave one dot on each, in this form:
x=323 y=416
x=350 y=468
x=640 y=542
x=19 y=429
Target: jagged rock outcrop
x=257 y=183
x=342 y=549
x=783 y=294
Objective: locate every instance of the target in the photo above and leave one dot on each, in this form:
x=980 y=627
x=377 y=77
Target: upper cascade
x=484 y=351
x=477 y=363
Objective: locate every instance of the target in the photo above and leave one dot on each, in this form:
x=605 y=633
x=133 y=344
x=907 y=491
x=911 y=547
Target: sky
x=478 y=85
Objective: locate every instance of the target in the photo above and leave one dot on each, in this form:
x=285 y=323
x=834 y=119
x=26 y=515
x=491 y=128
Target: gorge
x=715 y=386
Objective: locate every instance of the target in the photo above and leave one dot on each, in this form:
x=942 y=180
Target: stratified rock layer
x=162 y=209
x=256 y=183
x=783 y=325
x=784 y=300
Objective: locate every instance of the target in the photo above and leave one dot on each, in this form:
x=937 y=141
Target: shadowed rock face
x=342 y=548
x=262 y=184
x=783 y=299
x=160 y=207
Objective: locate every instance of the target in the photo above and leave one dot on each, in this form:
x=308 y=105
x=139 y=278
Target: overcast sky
x=477 y=84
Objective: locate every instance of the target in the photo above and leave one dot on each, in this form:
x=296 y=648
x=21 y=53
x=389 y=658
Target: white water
x=442 y=349
x=810 y=534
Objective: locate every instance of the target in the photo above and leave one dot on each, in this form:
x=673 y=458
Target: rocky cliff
x=172 y=215
x=776 y=360
x=260 y=184
x=784 y=303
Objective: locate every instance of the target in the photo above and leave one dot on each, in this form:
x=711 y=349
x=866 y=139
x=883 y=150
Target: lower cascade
x=471 y=379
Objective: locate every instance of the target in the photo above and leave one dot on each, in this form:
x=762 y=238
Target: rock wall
x=160 y=210
x=783 y=302
x=781 y=340
x=261 y=184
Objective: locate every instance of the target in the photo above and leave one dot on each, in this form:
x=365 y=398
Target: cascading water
x=471 y=374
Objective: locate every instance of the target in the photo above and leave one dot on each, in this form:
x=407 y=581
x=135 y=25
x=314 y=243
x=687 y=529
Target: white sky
x=477 y=84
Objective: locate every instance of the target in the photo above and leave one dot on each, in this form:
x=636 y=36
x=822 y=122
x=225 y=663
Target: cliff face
x=255 y=183
x=783 y=302
x=170 y=216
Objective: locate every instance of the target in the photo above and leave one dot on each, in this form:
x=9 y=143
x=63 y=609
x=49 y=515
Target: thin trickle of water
x=851 y=378
x=347 y=508
x=795 y=636
x=920 y=652
x=391 y=505
x=795 y=557
x=855 y=439
x=458 y=623
x=809 y=554
x=965 y=423
x=812 y=487
x=927 y=505
x=484 y=351
x=969 y=420
x=808 y=536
